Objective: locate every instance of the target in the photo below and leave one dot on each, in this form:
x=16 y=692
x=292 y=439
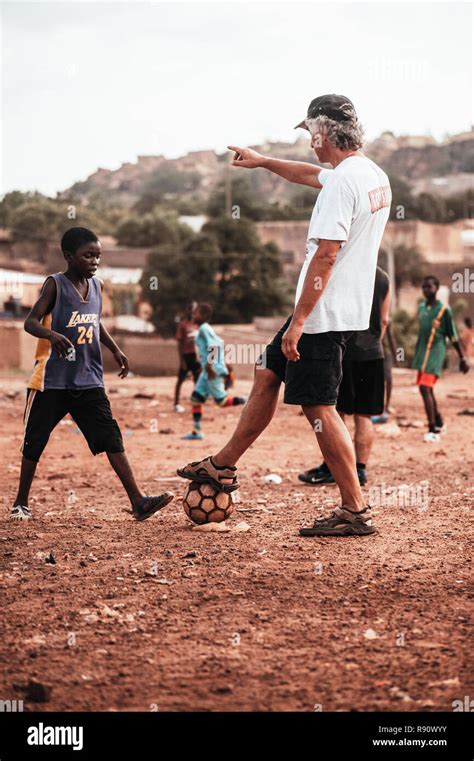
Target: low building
x=448 y=250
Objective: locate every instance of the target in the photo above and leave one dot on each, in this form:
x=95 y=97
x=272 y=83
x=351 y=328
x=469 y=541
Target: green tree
x=155 y=202
x=431 y=208
x=468 y=163
x=176 y=275
x=225 y=265
x=168 y=179
x=39 y=219
x=460 y=206
x=35 y=217
x=12 y=201
x=404 y=329
x=244 y=195
x=148 y=202
x=302 y=202
x=153 y=229
x=403 y=203
x=410 y=265
x=249 y=273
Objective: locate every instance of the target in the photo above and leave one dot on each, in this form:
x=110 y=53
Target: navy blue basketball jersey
x=79 y=320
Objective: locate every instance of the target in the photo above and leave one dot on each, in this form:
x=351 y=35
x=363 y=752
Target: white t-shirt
x=353 y=206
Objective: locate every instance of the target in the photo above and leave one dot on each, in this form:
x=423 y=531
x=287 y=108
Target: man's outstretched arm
x=300 y=172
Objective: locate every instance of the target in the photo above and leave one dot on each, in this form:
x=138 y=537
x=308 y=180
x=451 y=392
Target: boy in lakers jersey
x=68 y=375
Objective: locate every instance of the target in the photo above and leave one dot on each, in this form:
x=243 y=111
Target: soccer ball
x=204 y=504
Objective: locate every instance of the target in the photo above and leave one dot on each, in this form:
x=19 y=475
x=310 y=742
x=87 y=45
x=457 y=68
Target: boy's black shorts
x=315 y=378
x=192 y=365
x=90 y=409
x=362 y=388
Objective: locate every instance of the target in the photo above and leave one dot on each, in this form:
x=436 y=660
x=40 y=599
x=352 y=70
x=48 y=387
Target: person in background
x=216 y=377
x=390 y=356
x=13 y=306
x=188 y=360
x=436 y=325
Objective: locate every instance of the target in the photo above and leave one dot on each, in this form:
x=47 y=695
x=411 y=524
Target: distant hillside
x=445 y=167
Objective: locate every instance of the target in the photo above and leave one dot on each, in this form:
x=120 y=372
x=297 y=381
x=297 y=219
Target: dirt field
x=261 y=620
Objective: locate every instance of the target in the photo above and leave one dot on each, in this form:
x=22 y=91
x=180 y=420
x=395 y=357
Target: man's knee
x=265 y=380
x=316 y=414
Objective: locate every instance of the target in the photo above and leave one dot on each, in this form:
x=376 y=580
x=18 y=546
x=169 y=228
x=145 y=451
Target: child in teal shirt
x=214 y=378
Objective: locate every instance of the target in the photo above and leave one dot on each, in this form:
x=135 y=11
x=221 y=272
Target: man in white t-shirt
x=333 y=299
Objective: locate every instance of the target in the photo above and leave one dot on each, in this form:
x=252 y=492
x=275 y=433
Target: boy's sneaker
x=222 y=477
x=431 y=437
x=362 y=476
x=194 y=436
x=342 y=522
x=320 y=475
x=179 y=408
x=20 y=513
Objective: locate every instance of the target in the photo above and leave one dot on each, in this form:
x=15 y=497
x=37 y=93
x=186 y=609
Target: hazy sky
x=88 y=84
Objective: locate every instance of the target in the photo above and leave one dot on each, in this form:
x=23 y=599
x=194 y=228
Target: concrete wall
x=17 y=348
x=151 y=355
x=148 y=354
x=437 y=243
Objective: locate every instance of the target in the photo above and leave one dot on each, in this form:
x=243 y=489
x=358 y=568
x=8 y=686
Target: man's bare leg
x=336 y=445
x=364 y=437
x=255 y=417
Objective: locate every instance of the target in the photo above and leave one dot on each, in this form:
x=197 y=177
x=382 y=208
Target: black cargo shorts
x=315 y=378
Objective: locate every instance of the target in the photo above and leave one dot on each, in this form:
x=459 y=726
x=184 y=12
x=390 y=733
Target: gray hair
x=347 y=135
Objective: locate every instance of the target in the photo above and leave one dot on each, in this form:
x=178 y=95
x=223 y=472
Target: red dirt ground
x=124 y=621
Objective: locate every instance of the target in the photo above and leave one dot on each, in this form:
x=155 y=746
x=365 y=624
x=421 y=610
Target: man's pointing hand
x=246 y=157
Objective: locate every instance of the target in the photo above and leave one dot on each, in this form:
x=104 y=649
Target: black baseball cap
x=336 y=107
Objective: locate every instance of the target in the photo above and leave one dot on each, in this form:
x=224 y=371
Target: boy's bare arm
x=40 y=308
x=107 y=340
x=119 y=356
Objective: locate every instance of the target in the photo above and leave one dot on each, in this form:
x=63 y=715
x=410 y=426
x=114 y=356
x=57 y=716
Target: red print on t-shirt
x=379 y=197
